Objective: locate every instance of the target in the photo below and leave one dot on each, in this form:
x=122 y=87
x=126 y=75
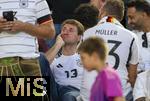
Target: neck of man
x=69 y=49
x=105 y=14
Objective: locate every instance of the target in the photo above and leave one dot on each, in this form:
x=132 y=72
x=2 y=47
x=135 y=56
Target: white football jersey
x=144 y=43
x=87 y=82
x=142 y=86
x=123 y=48
x=23 y=44
x=68 y=70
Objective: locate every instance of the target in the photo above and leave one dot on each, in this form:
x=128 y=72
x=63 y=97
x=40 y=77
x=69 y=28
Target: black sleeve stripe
x=130 y=53
x=44 y=19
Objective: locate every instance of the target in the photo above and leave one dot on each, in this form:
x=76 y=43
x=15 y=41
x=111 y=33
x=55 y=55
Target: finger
x=3 y=20
x=6 y=29
x=12 y=30
x=8 y=26
x=9 y=23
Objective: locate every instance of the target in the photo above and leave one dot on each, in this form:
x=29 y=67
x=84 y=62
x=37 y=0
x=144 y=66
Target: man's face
x=135 y=19
x=69 y=33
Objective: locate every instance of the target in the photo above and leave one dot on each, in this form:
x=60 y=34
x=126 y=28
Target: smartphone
x=9 y=15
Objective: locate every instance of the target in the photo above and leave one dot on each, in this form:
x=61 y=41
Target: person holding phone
x=18 y=37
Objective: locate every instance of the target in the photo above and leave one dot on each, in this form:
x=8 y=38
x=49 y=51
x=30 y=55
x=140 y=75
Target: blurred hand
x=5 y=25
x=18 y=26
x=60 y=41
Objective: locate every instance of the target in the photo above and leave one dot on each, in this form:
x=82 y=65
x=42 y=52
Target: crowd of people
x=80 y=45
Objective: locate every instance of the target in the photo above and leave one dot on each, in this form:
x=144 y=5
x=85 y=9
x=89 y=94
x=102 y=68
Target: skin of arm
x=44 y=30
x=51 y=53
x=132 y=70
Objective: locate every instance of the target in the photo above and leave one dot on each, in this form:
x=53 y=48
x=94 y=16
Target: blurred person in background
x=139 y=20
x=87 y=14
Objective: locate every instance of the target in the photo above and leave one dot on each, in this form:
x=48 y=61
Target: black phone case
x=8 y=15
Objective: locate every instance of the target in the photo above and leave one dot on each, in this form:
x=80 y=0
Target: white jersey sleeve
x=134 y=51
x=52 y=66
x=43 y=12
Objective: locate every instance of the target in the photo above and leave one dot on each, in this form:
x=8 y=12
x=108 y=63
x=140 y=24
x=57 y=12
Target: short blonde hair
x=94 y=44
x=76 y=23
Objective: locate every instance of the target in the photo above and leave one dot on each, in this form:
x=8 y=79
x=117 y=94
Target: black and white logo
x=23 y=3
x=59 y=66
x=79 y=63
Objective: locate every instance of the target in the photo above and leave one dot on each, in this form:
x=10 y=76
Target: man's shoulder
x=90 y=29
x=123 y=31
x=132 y=34
x=90 y=32
x=39 y=1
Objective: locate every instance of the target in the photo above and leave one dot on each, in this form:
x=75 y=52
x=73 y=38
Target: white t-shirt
x=123 y=49
x=144 y=63
x=22 y=44
x=68 y=70
x=148 y=1
x=142 y=86
x=87 y=82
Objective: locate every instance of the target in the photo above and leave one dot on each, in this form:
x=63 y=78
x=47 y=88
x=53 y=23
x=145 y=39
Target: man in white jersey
x=66 y=68
x=123 y=47
x=139 y=19
x=141 y=90
x=18 y=37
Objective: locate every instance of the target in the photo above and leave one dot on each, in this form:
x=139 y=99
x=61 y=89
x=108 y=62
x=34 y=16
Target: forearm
x=51 y=53
x=132 y=70
x=41 y=31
